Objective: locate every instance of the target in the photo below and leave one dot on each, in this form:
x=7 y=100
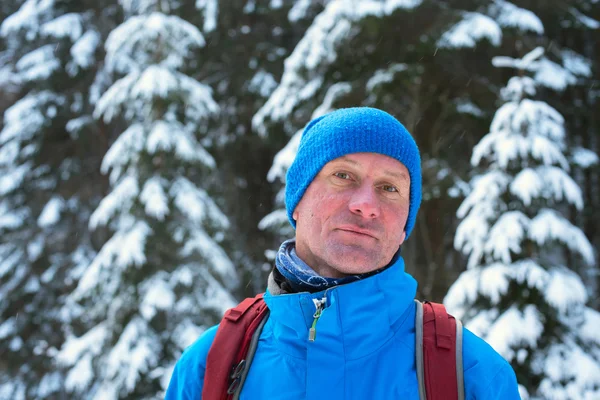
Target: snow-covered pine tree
x=573 y=33
x=518 y=292
x=162 y=276
x=258 y=36
x=45 y=190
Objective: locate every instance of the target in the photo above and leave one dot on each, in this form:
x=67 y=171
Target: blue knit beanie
x=347 y=131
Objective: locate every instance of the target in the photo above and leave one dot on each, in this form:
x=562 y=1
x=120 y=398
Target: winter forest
x=143 y=151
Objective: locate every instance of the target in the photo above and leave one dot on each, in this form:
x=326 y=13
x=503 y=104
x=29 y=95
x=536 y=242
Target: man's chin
x=354 y=261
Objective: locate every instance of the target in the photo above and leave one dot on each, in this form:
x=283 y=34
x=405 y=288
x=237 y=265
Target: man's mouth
x=358 y=231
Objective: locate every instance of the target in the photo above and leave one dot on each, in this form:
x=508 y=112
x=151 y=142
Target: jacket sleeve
x=188 y=376
x=502 y=386
x=487 y=375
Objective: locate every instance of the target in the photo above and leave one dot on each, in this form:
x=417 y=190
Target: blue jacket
x=364 y=348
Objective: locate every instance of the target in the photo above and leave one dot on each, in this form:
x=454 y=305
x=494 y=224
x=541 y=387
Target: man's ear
x=403 y=237
x=295 y=214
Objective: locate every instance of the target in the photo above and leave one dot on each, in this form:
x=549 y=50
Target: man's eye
x=342 y=175
x=389 y=188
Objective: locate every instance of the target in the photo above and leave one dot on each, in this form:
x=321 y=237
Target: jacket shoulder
x=487 y=374
x=188 y=376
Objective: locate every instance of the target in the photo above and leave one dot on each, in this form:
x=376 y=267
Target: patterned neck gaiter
x=303 y=278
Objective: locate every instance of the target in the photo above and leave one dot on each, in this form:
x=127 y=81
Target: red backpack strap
x=227 y=363
x=438 y=353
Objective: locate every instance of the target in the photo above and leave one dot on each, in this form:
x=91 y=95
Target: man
x=342 y=315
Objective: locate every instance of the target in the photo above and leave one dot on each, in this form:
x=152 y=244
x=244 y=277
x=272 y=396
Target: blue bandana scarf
x=302 y=277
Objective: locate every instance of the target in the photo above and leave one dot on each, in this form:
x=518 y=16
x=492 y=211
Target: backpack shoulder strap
x=233 y=348
x=438 y=352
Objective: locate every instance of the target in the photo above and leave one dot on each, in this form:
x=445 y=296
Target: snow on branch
x=551 y=183
x=26 y=118
x=473 y=28
x=386 y=75
x=154 y=198
x=584 y=19
x=589 y=329
x=478 y=209
x=216 y=296
x=51 y=212
x=527 y=185
x=503 y=336
x=506 y=235
x=172 y=135
x=523 y=129
x=67 y=25
x=10 y=218
x=200 y=244
x=135 y=353
x=510 y=16
x=564 y=290
x=334 y=93
x=83 y=50
x=196 y=205
x=517 y=88
x=554 y=76
x=584 y=158
x=29 y=17
x=210 y=11
x=125 y=248
x=576 y=63
x=549 y=225
x=122 y=196
x=273 y=220
x=284 y=158
x=78 y=352
x=11 y=259
x=13 y=178
x=299 y=10
x=124 y=150
x=75 y=347
x=157 y=294
x=38 y=64
x=262 y=83
x=135 y=93
x=172 y=39
x=470 y=234
x=492 y=282
x=561 y=186
x=486 y=189
x=547 y=72
x=526 y=63
x=569 y=372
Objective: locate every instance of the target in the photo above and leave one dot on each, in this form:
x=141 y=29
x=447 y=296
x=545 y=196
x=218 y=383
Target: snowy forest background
x=143 y=150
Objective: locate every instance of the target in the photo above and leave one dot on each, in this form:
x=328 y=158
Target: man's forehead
x=385 y=164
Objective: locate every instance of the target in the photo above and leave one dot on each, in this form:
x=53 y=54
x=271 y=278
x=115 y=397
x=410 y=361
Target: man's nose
x=364 y=202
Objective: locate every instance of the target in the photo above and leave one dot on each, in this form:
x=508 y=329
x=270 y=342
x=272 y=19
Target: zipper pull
x=319 y=305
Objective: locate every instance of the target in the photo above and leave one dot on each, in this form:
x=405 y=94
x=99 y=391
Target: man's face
x=351 y=218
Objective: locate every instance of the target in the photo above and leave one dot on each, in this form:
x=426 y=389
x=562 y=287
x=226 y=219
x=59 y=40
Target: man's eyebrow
x=348 y=160
x=397 y=175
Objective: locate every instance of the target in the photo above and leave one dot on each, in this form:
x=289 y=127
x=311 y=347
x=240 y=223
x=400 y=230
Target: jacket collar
x=366 y=312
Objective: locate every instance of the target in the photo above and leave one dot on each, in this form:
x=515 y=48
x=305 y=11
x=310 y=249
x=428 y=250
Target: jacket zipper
x=319 y=305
